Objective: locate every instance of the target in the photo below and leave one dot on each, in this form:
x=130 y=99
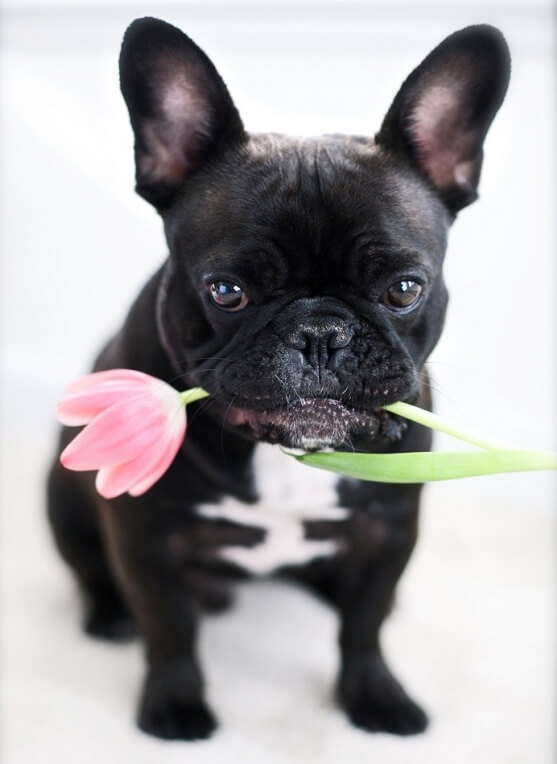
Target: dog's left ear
x=443 y=111
x=180 y=109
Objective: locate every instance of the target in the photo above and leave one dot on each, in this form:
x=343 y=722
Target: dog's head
x=304 y=286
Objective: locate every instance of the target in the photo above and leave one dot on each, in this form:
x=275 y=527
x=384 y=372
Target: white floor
x=473 y=634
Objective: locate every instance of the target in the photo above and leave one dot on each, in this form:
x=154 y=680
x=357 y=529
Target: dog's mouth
x=316 y=423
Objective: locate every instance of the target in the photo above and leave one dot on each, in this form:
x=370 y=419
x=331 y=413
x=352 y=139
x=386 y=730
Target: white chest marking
x=289 y=494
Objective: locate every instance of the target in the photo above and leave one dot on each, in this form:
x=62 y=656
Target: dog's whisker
x=223 y=425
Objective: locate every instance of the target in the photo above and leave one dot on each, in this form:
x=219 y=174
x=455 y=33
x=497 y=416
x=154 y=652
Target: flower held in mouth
x=135 y=424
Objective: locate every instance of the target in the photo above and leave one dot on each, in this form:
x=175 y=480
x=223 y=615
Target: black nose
x=318 y=341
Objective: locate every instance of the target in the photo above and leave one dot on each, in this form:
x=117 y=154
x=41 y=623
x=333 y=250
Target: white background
x=77 y=245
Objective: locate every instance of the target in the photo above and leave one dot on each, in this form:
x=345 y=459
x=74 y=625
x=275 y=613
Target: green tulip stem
x=436 y=422
x=192 y=395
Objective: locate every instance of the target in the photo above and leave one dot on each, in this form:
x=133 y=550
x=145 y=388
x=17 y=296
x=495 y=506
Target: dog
x=304 y=291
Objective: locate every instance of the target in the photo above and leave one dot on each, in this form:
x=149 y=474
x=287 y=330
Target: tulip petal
x=81 y=408
x=157 y=470
x=88 y=396
x=96 y=378
x=116 y=480
x=118 y=434
x=139 y=474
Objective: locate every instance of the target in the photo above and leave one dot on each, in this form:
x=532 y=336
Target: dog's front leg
x=172 y=705
x=382 y=538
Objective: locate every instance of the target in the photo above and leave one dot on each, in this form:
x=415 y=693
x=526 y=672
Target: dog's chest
x=292 y=500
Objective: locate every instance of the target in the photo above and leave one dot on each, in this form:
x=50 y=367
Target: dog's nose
x=319 y=342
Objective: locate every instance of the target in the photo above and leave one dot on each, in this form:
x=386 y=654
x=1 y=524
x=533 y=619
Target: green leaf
x=423 y=466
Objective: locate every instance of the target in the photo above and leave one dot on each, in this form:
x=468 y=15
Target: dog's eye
x=228 y=296
x=402 y=295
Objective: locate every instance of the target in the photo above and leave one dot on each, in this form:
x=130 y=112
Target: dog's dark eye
x=402 y=295
x=228 y=296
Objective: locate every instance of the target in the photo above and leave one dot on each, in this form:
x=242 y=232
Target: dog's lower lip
x=309 y=423
x=238 y=416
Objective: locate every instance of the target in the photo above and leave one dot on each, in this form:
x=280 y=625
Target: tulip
x=135 y=425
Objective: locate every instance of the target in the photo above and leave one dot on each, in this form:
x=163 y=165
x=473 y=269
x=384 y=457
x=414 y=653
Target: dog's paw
x=375 y=701
x=172 y=707
x=172 y=719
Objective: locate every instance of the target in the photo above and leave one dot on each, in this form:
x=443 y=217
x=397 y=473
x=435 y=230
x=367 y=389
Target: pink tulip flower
x=135 y=425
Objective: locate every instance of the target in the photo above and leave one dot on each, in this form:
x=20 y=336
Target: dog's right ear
x=180 y=109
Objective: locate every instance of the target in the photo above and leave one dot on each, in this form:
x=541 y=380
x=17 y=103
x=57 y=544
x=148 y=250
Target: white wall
x=77 y=244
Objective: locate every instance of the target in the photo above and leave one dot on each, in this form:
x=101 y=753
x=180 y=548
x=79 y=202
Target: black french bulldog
x=304 y=291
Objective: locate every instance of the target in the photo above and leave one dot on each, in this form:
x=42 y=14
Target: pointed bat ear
x=180 y=110
x=441 y=114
